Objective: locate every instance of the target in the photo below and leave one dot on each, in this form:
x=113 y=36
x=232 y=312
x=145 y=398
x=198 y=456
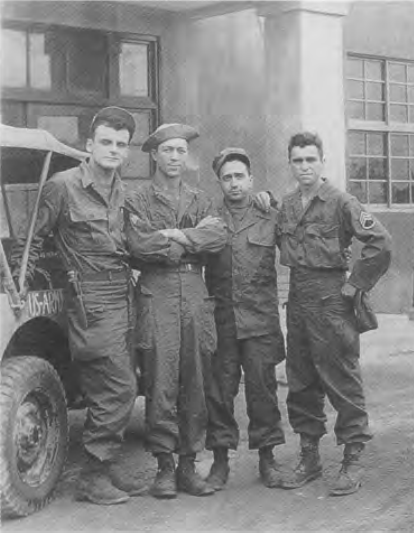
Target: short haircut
x=117 y=123
x=236 y=157
x=305 y=138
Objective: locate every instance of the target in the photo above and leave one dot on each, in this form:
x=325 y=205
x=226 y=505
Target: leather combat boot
x=95 y=485
x=309 y=466
x=349 y=478
x=219 y=471
x=165 y=484
x=188 y=480
x=269 y=472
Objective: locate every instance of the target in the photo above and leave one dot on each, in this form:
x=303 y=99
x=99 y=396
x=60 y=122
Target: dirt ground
x=384 y=504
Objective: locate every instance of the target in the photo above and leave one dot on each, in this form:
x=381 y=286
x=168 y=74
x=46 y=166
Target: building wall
x=394 y=293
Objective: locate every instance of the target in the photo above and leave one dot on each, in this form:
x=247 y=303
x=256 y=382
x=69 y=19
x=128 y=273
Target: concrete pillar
x=304 y=69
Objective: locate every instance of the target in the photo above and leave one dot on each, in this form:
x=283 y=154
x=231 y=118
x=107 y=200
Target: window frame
x=385 y=127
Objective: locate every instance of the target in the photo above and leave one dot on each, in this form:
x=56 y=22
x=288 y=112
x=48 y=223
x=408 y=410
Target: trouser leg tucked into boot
x=95 y=484
x=219 y=472
x=188 y=480
x=165 y=484
x=309 y=466
x=269 y=471
x=349 y=479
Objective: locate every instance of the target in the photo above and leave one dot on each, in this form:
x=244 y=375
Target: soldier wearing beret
x=318 y=223
x=171 y=229
x=82 y=207
x=242 y=278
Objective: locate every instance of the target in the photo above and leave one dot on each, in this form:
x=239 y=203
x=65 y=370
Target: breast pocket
x=90 y=226
x=261 y=256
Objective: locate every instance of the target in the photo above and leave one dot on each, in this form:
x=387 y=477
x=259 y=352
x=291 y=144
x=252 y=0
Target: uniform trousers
x=176 y=335
x=323 y=357
x=103 y=355
x=257 y=356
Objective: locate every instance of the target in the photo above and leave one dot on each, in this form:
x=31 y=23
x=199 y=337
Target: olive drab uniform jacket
x=175 y=328
x=318 y=236
x=242 y=277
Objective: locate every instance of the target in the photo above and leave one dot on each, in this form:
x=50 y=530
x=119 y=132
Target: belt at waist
x=182 y=268
x=107 y=275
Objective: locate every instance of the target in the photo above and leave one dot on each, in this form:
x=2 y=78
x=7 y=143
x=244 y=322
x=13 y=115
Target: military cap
x=169 y=131
x=116 y=114
x=230 y=153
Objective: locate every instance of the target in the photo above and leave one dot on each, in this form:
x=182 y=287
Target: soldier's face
x=109 y=147
x=171 y=157
x=306 y=165
x=236 y=181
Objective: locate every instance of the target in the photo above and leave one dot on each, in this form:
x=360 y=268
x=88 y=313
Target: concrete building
x=246 y=74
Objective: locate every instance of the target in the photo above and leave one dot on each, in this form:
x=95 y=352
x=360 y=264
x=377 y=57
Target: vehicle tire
x=33 y=434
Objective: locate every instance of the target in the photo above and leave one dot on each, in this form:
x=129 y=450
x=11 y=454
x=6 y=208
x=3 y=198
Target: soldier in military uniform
x=171 y=229
x=242 y=278
x=318 y=223
x=82 y=207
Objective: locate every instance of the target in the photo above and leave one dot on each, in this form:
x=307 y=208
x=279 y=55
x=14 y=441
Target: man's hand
x=176 y=235
x=262 y=200
x=348 y=291
x=209 y=222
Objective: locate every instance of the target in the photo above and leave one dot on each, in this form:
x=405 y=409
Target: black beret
x=230 y=153
x=169 y=131
x=122 y=116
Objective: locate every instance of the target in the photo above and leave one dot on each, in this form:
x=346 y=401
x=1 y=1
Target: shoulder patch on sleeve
x=366 y=219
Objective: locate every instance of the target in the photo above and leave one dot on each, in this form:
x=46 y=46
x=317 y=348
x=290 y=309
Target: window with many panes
x=380 y=115
x=56 y=78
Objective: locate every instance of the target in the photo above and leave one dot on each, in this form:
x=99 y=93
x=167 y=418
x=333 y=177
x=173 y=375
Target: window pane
x=374 y=70
x=398 y=93
x=377 y=169
x=399 y=145
x=356 y=143
x=376 y=144
x=63 y=128
x=39 y=62
x=354 y=68
x=411 y=94
x=13 y=58
x=397 y=72
x=355 y=89
x=411 y=138
x=87 y=62
x=357 y=169
x=410 y=73
x=400 y=193
x=374 y=91
x=142 y=122
x=355 y=110
x=375 y=112
x=377 y=193
x=398 y=113
x=133 y=69
x=411 y=113
x=399 y=169
x=359 y=190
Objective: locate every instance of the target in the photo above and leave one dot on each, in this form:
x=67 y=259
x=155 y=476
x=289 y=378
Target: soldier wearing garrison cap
x=82 y=207
x=242 y=278
x=171 y=229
